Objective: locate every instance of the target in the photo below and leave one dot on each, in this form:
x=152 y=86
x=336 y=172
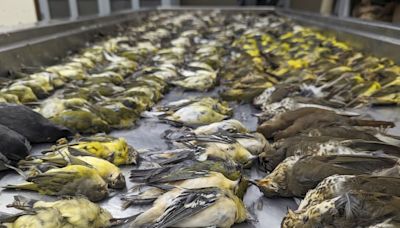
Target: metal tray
x=35 y=47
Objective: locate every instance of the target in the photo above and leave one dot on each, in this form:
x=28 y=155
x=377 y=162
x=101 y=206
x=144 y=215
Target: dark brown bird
x=296 y=175
x=322 y=145
x=293 y=122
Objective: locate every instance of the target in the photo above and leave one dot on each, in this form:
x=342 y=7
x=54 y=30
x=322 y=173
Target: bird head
x=118 y=182
x=132 y=155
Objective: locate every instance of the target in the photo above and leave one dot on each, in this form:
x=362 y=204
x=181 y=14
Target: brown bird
x=337 y=185
x=322 y=145
x=352 y=209
x=296 y=175
x=350 y=132
x=293 y=122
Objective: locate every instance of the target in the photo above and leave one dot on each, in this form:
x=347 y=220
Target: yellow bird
x=108 y=171
x=74 y=212
x=71 y=180
x=114 y=150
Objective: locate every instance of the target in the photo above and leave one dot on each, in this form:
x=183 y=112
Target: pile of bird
x=344 y=165
x=106 y=86
x=311 y=141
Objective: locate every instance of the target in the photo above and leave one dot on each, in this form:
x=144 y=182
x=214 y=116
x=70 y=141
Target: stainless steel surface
x=49 y=43
x=46 y=44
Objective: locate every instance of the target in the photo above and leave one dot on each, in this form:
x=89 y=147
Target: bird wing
x=309 y=171
x=208 y=138
x=188 y=203
x=9 y=218
x=53 y=182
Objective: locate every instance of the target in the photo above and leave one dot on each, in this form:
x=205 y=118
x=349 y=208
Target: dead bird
x=230 y=125
x=221 y=146
x=292 y=122
x=219 y=106
x=73 y=212
x=193 y=179
x=275 y=94
x=113 y=149
x=194 y=208
x=28 y=123
x=13 y=147
x=185 y=170
x=351 y=209
x=254 y=142
x=61 y=158
x=195 y=115
x=351 y=132
x=290 y=104
x=322 y=145
x=72 y=180
x=337 y=185
x=296 y=175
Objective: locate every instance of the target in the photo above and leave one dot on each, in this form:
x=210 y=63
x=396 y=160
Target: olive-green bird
x=71 y=180
x=108 y=171
x=73 y=212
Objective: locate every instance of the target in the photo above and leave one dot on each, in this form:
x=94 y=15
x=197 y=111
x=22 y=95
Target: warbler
x=71 y=180
x=188 y=208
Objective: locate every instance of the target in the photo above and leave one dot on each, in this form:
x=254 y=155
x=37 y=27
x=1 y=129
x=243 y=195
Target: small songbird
x=13 y=147
x=322 y=145
x=112 y=149
x=348 y=132
x=71 y=180
x=350 y=209
x=219 y=146
x=206 y=207
x=74 y=212
x=293 y=122
x=230 y=125
x=200 y=179
x=41 y=163
x=336 y=185
x=28 y=123
x=296 y=175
